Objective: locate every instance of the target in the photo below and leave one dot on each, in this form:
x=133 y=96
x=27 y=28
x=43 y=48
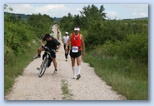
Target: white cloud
x=143 y=14
x=111 y=14
x=49 y=9
x=117 y=11
x=134 y=13
x=138 y=10
x=139 y=14
x=21 y=8
x=135 y=7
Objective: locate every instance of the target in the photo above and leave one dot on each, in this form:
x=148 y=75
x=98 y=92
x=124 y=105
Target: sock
x=73 y=69
x=79 y=69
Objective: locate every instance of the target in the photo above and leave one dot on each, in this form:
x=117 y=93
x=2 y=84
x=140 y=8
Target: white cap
x=66 y=33
x=76 y=29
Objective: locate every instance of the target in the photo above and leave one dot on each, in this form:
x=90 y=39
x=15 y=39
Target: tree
x=6 y=8
x=67 y=23
x=40 y=23
x=91 y=15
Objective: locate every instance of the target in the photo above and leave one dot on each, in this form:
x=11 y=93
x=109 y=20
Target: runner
x=58 y=35
x=77 y=45
x=65 y=39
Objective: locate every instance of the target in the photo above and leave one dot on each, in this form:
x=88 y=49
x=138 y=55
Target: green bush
x=134 y=46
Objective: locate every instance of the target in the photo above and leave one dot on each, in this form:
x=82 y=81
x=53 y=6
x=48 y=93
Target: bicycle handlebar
x=45 y=47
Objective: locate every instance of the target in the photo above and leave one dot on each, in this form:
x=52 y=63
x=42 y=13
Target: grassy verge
x=66 y=92
x=15 y=68
x=127 y=77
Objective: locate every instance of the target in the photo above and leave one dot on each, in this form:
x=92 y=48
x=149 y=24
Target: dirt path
x=49 y=87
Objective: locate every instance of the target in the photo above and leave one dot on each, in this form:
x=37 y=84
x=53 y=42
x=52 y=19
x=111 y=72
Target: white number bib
x=74 y=49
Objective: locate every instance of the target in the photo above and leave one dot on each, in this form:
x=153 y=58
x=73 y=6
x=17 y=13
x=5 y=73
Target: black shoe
x=37 y=56
x=78 y=76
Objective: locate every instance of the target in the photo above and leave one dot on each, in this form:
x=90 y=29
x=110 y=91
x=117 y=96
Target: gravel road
x=29 y=86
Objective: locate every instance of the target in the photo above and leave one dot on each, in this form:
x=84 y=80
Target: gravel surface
x=29 y=86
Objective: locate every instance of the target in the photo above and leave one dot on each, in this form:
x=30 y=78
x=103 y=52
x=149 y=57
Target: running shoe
x=78 y=76
x=74 y=77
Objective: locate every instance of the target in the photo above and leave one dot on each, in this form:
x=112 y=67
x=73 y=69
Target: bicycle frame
x=45 y=62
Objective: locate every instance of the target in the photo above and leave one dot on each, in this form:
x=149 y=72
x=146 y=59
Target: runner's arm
x=83 y=44
x=68 y=42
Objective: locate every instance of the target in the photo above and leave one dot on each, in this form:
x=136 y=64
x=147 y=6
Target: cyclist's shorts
x=75 y=55
x=53 y=54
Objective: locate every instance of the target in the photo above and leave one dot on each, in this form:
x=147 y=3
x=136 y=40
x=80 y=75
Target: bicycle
x=46 y=61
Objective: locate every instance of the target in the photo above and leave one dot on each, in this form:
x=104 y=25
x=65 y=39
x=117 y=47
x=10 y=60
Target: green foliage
x=40 y=23
x=16 y=38
x=133 y=46
x=67 y=23
x=6 y=8
x=91 y=15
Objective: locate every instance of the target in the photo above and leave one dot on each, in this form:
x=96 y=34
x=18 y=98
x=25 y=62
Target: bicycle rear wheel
x=43 y=67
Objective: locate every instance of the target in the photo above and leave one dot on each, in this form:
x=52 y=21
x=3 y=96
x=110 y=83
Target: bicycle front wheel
x=43 y=67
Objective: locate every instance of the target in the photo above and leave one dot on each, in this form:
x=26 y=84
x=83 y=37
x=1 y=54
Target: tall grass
x=127 y=77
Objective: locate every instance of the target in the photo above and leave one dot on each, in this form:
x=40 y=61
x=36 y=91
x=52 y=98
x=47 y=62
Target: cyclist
x=65 y=39
x=77 y=45
x=51 y=43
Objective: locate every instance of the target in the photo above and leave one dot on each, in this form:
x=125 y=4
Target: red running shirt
x=76 y=41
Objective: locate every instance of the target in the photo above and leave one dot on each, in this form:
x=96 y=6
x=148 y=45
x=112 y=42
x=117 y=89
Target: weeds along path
x=60 y=86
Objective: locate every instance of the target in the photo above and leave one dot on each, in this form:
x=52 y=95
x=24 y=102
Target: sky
x=113 y=11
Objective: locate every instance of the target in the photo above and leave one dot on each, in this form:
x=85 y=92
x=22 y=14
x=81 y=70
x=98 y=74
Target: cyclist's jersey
x=52 y=44
x=76 y=41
